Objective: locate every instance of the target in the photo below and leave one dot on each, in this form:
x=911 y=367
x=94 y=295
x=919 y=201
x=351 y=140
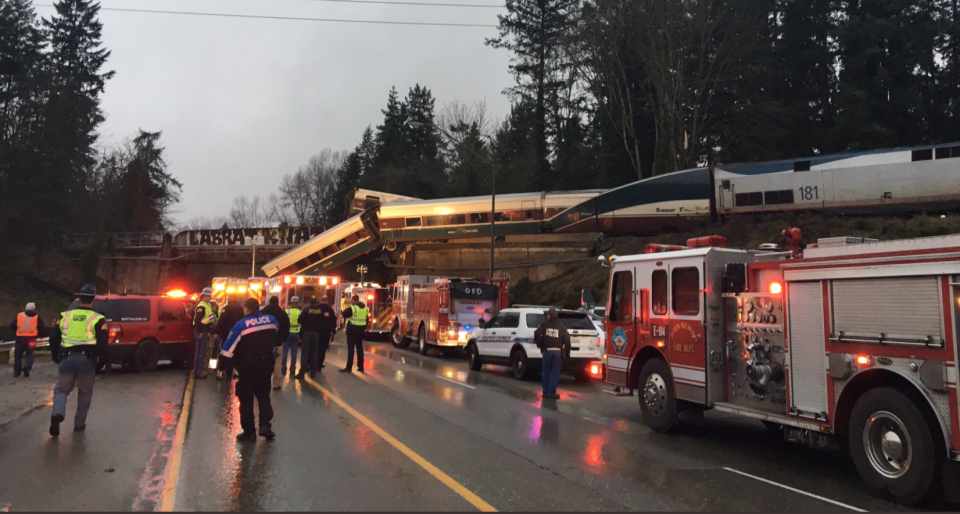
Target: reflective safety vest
x=209 y=315
x=358 y=316
x=294 y=314
x=27 y=325
x=77 y=327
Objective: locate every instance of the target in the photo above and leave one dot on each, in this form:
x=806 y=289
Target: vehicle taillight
x=115 y=332
x=598 y=340
x=596 y=370
x=453 y=329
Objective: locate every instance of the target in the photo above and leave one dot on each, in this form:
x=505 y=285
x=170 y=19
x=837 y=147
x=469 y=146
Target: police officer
x=81 y=340
x=204 y=318
x=553 y=339
x=319 y=322
x=293 y=340
x=356 y=320
x=250 y=345
x=28 y=327
x=273 y=309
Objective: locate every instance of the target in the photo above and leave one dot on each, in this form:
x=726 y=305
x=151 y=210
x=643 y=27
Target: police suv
x=507 y=339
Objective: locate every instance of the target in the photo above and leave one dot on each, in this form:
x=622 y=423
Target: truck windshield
x=571 y=320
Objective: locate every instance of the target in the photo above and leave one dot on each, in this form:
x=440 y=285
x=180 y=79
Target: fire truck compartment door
x=808 y=364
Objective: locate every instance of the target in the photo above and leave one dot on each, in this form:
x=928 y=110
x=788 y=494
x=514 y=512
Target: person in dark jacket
x=273 y=309
x=552 y=338
x=251 y=346
x=355 y=317
x=28 y=326
x=204 y=318
x=318 y=323
x=231 y=313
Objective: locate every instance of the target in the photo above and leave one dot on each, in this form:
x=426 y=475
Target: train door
x=529 y=211
x=725 y=194
x=621 y=324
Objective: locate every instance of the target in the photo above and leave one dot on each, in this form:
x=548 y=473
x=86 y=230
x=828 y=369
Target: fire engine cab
x=855 y=342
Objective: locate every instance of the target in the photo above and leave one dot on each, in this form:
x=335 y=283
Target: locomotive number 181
x=809 y=193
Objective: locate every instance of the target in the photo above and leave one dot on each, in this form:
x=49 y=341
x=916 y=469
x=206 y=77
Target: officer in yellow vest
x=81 y=340
x=204 y=319
x=293 y=340
x=356 y=319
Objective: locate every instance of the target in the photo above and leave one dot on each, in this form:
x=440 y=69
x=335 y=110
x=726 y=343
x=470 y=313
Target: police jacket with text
x=252 y=338
x=283 y=322
x=552 y=334
x=319 y=318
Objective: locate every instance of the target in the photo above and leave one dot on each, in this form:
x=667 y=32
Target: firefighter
x=28 y=327
x=204 y=318
x=553 y=340
x=251 y=345
x=791 y=241
x=232 y=313
x=273 y=309
x=355 y=317
x=290 y=345
x=75 y=347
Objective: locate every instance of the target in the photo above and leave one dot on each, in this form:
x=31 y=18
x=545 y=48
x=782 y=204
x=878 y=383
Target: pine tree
x=423 y=165
x=145 y=189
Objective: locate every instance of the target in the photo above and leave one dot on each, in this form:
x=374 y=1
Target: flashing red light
x=657 y=248
x=369 y=297
x=286 y=280
x=176 y=293
x=775 y=288
x=707 y=241
x=863 y=360
x=595 y=370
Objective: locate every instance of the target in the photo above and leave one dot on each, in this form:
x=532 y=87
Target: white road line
x=455 y=382
x=821 y=498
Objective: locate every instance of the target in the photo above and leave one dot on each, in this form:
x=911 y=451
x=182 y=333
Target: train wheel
x=893 y=446
x=657 y=402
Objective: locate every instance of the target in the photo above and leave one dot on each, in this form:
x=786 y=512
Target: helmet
x=88 y=290
x=295 y=299
x=206 y=292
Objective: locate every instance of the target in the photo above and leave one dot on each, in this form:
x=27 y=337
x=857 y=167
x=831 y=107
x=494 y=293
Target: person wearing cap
x=356 y=320
x=319 y=322
x=293 y=340
x=75 y=347
x=283 y=321
x=204 y=318
x=552 y=338
x=28 y=326
x=251 y=346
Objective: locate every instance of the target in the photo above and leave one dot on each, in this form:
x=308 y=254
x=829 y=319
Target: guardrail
x=117 y=239
x=7 y=345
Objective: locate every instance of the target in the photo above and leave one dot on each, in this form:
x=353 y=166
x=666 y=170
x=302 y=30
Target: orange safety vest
x=27 y=325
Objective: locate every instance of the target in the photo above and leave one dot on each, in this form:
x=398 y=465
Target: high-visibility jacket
x=27 y=325
x=209 y=315
x=358 y=316
x=78 y=327
x=294 y=314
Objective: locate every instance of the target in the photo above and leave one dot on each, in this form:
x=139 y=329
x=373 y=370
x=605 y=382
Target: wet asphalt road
x=491 y=435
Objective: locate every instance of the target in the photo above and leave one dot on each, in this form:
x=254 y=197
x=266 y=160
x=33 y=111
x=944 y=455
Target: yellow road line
x=169 y=494
x=465 y=493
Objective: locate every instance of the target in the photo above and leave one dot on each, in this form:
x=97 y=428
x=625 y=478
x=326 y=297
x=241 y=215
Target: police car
x=507 y=339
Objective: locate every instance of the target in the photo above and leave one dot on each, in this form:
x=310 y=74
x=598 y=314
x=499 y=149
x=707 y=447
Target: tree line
x=56 y=176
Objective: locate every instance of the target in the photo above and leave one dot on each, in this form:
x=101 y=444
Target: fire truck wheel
x=397 y=338
x=893 y=446
x=146 y=356
x=422 y=340
x=657 y=402
x=520 y=364
x=473 y=357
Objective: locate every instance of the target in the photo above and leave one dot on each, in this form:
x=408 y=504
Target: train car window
x=948 y=152
x=621 y=295
x=413 y=222
x=529 y=215
x=801 y=166
x=504 y=216
x=341 y=244
x=686 y=291
x=433 y=221
x=778 y=197
x=658 y=292
x=371 y=201
x=481 y=217
x=458 y=219
x=922 y=155
x=745 y=199
x=587 y=209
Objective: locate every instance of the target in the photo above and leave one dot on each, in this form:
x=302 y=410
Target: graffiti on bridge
x=246 y=236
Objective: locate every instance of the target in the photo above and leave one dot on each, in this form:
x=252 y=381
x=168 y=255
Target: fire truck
x=402 y=311
x=377 y=300
x=444 y=312
x=852 y=343
x=304 y=287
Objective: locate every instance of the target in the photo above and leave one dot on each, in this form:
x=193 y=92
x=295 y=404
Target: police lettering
x=257 y=321
x=553 y=332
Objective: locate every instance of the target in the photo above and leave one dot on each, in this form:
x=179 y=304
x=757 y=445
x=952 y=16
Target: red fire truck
x=854 y=342
x=442 y=313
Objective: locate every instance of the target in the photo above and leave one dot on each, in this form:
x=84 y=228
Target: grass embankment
x=743 y=232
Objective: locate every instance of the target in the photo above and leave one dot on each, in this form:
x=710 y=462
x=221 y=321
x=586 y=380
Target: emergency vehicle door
x=684 y=333
x=621 y=325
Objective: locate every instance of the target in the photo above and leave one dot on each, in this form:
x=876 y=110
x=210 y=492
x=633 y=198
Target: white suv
x=507 y=339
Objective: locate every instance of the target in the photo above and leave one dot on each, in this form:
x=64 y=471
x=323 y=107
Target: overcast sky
x=241 y=102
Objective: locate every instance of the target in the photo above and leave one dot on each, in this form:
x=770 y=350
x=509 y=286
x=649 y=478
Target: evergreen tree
x=423 y=164
x=513 y=151
x=145 y=190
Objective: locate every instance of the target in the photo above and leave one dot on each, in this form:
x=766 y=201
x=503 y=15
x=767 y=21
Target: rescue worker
x=231 y=313
x=355 y=317
x=251 y=345
x=553 y=340
x=28 y=327
x=283 y=321
x=293 y=340
x=204 y=318
x=318 y=323
x=75 y=347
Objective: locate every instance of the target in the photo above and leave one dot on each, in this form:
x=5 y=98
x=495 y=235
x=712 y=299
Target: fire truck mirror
x=587 y=299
